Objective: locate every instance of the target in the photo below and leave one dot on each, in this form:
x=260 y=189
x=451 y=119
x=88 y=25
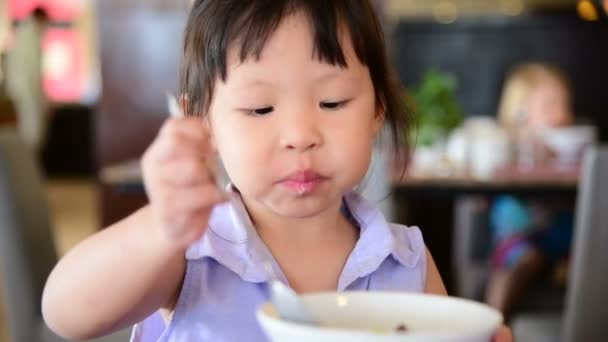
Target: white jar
x=489 y=148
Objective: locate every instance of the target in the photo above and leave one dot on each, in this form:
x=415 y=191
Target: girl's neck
x=310 y=251
x=326 y=225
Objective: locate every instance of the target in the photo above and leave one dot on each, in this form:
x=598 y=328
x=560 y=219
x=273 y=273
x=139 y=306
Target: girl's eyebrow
x=329 y=75
x=256 y=81
x=253 y=83
x=351 y=76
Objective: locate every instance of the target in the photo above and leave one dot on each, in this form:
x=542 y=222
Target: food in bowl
x=385 y=317
x=401 y=328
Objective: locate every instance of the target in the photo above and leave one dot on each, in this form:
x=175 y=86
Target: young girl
x=291 y=95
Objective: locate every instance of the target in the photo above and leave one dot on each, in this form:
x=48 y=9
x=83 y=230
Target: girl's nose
x=301 y=132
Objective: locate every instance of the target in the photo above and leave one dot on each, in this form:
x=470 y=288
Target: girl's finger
x=503 y=335
x=186 y=172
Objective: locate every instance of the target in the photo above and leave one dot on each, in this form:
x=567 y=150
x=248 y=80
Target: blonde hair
x=521 y=81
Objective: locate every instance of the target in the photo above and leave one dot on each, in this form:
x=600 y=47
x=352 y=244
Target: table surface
x=128 y=175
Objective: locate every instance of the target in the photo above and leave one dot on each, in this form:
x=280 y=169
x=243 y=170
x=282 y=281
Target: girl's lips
x=303 y=182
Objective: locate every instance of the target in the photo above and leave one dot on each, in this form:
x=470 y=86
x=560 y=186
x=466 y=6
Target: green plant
x=434 y=107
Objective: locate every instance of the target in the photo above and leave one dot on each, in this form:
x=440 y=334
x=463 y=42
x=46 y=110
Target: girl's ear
x=209 y=127
x=379 y=118
x=206 y=117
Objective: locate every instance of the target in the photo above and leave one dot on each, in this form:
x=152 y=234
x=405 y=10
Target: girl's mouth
x=303 y=182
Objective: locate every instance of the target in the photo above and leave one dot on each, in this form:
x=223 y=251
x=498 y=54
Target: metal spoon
x=175 y=111
x=286 y=300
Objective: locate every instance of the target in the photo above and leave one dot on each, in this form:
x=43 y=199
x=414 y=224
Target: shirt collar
x=232 y=241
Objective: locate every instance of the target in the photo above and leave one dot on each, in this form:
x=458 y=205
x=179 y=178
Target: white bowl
x=374 y=316
x=568 y=143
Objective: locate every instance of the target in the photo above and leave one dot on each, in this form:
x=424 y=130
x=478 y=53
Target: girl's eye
x=261 y=111
x=332 y=105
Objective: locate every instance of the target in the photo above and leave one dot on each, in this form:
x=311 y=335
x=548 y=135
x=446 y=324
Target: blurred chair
x=472 y=249
x=471 y=246
x=587 y=298
x=27 y=251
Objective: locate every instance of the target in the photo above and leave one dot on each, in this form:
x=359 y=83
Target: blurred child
x=533 y=235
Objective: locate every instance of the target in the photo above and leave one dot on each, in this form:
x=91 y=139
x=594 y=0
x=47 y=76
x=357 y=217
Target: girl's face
x=294 y=133
x=548 y=105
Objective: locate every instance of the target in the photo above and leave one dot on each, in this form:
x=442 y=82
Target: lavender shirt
x=225 y=279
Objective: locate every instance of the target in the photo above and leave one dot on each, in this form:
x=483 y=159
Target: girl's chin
x=301 y=206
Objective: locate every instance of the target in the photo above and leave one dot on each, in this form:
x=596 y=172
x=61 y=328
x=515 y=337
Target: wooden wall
x=140 y=44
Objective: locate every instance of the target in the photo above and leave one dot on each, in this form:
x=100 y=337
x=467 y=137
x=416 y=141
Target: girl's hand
x=179 y=182
x=503 y=335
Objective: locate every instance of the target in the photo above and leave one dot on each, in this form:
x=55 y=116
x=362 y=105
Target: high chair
x=27 y=251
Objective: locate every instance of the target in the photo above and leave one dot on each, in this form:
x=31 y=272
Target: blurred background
x=505 y=97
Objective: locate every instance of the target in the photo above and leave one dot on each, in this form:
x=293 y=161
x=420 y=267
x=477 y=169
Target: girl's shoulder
x=409 y=246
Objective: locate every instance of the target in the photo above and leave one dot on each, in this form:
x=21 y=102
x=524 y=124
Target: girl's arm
x=434 y=284
x=113 y=279
x=122 y=274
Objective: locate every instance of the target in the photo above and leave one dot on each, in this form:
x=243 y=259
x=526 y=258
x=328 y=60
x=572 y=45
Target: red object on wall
x=21 y=9
x=63 y=10
x=57 y=10
x=64 y=64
